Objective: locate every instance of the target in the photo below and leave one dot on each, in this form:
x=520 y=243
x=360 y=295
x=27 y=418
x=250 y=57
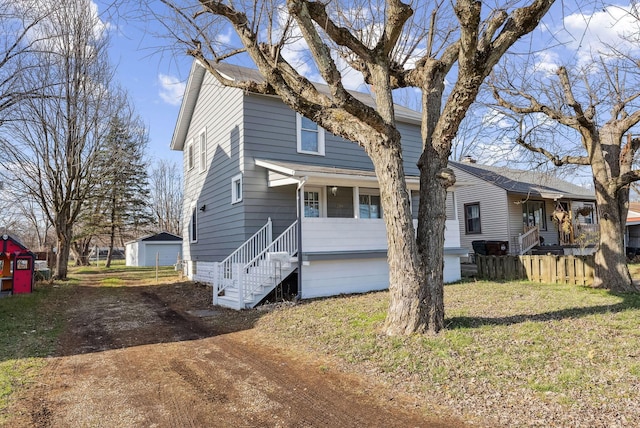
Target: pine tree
x=123 y=193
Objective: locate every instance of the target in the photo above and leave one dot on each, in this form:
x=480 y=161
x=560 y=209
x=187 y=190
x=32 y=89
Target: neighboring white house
x=164 y=247
x=523 y=209
x=270 y=196
x=632 y=229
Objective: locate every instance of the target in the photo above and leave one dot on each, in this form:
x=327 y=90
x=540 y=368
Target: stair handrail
x=529 y=239
x=247 y=251
x=255 y=271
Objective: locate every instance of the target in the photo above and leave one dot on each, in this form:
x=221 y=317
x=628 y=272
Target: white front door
x=313 y=202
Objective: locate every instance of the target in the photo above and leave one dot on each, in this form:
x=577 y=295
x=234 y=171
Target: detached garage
x=143 y=251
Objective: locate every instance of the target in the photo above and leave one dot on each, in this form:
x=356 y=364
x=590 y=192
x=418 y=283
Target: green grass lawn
x=507 y=345
x=520 y=353
x=29 y=328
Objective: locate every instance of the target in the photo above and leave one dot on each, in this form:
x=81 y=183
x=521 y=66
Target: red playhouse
x=16 y=265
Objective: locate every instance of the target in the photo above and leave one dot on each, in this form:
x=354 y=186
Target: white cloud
x=171 y=89
x=547 y=62
x=601 y=31
x=52 y=19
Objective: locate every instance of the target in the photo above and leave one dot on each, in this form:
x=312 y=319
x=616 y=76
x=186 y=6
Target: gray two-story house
x=270 y=194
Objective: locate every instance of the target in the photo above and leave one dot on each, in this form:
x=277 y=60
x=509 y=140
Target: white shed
x=167 y=247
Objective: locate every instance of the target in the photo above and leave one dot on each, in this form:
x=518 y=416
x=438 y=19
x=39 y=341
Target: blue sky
x=154 y=79
x=155 y=76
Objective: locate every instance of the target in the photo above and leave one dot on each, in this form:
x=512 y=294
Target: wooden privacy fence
x=548 y=269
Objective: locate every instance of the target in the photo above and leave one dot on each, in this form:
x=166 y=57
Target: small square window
x=236 y=189
x=310 y=136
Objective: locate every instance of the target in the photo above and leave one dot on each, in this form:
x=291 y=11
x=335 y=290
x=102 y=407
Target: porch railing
x=588 y=228
x=529 y=239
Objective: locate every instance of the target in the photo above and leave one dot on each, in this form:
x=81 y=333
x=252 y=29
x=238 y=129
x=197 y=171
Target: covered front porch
x=570 y=228
x=337 y=244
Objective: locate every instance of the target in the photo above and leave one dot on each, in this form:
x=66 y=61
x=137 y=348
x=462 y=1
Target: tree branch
x=554 y=158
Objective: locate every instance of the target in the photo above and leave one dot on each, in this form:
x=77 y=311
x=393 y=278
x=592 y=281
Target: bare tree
x=166 y=196
x=393 y=46
x=52 y=143
x=18 y=38
x=600 y=103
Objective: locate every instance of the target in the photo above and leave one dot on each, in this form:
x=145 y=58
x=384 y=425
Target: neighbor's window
x=203 y=150
x=236 y=189
x=193 y=225
x=310 y=136
x=472 y=218
x=190 y=159
x=533 y=214
x=311 y=204
x=369 y=205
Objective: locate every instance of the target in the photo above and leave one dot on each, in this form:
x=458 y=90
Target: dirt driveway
x=160 y=356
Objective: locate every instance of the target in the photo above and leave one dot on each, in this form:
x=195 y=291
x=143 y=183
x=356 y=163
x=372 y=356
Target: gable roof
x=236 y=72
x=156 y=237
x=535 y=183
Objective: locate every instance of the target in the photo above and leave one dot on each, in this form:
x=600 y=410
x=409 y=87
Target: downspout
x=299 y=210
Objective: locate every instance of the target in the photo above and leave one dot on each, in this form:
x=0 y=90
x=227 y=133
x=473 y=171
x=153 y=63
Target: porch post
x=300 y=215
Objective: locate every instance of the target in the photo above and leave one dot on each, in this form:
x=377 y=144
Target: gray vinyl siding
x=221 y=225
x=240 y=128
x=494 y=210
x=270 y=133
x=411 y=147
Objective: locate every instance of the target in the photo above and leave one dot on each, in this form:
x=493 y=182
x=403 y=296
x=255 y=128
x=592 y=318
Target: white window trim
x=235 y=198
x=190 y=155
x=193 y=209
x=202 y=149
x=320 y=151
x=365 y=191
x=322 y=199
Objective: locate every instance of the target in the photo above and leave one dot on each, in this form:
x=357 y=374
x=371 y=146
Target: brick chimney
x=468 y=159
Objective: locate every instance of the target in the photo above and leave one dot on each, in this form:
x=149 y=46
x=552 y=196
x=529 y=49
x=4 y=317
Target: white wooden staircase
x=256 y=268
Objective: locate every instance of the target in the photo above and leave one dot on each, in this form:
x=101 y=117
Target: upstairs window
x=190 y=155
x=472 y=218
x=203 y=151
x=310 y=136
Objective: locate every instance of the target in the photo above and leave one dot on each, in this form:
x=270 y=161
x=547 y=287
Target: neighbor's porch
x=562 y=225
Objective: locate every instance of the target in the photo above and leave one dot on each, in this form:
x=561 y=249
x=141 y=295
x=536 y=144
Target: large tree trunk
x=434 y=180
x=64 y=247
x=611 y=270
x=112 y=231
x=407 y=311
